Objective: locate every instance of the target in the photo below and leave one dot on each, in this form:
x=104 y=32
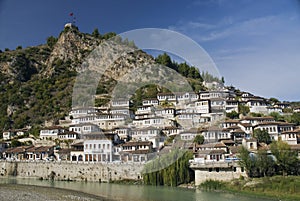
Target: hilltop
x=37 y=82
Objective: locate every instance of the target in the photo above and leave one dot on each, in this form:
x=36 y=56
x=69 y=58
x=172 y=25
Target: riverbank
x=36 y=193
x=277 y=187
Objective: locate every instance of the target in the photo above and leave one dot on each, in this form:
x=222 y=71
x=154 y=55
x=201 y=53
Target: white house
x=81 y=111
x=98 y=147
x=257 y=105
x=290 y=137
x=51 y=132
x=214 y=134
x=152 y=134
x=120 y=103
x=189 y=135
x=231 y=105
x=250 y=144
x=214 y=94
x=136 y=151
x=256 y=120
x=84 y=128
x=168 y=113
x=166 y=97
x=151 y=101
x=68 y=135
x=123 y=132
x=275 y=128
x=9 y=134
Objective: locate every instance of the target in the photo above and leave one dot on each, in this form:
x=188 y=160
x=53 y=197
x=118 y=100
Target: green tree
x=15 y=143
x=51 y=41
x=164 y=59
x=295 y=118
x=246 y=161
x=243 y=109
x=274 y=101
x=183 y=69
x=96 y=33
x=276 y=116
x=199 y=139
x=109 y=35
x=232 y=115
x=286 y=159
x=262 y=136
x=19 y=47
x=265 y=164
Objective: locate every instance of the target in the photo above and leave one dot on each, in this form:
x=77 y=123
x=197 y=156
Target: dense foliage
x=282 y=161
x=175 y=174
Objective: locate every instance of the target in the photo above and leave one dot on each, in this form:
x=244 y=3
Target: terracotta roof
x=137 y=152
x=228 y=141
x=52 y=128
x=139 y=143
x=65 y=151
x=20 y=149
x=213 y=151
x=231 y=121
x=234 y=149
x=246 y=124
x=77 y=144
x=212 y=145
x=258 y=118
x=295 y=147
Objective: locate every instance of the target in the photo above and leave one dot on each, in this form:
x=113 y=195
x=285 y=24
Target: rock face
x=72 y=46
x=37 y=82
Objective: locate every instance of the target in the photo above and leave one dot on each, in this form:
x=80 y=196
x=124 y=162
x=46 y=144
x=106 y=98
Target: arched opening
x=80 y=158
x=74 y=158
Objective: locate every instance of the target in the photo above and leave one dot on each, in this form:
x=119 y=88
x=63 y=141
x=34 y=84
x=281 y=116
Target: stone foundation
x=81 y=171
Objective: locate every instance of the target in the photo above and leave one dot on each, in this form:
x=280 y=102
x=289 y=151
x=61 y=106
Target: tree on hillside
x=232 y=115
x=274 y=101
x=295 y=118
x=164 y=59
x=51 y=41
x=246 y=161
x=243 y=109
x=262 y=136
x=265 y=164
x=15 y=143
x=276 y=116
x=286 y=159
x=183 y=69
x=96 y=33
x=199 y=139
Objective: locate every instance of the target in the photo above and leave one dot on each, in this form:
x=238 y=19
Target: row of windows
x=136 y=147
x=97 y=146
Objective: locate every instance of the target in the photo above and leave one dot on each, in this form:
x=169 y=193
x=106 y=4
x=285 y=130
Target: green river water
x=124 y=192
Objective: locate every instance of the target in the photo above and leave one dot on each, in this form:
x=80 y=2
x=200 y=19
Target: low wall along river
x=72 y=171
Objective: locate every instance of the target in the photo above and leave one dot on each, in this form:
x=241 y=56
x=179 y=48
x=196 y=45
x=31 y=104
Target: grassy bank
x=278 y=187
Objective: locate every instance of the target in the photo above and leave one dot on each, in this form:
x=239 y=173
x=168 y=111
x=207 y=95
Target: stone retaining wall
x=81 y=171
x=203 y=175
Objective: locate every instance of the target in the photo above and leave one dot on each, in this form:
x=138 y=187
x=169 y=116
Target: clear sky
x=255 y=44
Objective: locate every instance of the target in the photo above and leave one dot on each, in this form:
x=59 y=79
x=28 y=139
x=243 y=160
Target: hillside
x=37 y=82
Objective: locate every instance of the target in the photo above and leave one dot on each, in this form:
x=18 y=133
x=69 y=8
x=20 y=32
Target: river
x=124 y=192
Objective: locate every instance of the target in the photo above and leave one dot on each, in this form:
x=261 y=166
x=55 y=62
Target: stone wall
x=82 y=171
x=223 y=175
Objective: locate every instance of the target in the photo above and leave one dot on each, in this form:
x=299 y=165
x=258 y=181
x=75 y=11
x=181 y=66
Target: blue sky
x=255 y=44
